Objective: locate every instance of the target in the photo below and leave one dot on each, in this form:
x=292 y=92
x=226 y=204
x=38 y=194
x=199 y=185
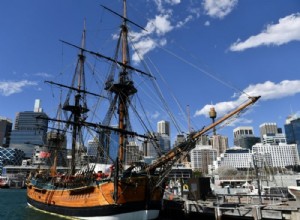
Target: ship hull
x=110 y=212
x=135 y=201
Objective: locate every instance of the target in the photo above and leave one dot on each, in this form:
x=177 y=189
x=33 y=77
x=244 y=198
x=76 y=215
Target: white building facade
x=202 y=157
x=280 y=155
x=236 y=157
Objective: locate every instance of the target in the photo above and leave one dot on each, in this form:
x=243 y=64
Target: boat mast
x=79 y=108
x=124 y=88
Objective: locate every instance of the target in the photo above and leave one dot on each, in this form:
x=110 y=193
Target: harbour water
x=13 y=206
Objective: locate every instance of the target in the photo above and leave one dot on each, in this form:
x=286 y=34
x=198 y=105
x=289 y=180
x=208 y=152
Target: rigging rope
x=158 y=90
x=203 y=71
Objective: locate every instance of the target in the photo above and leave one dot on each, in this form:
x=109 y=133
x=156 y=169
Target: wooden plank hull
x=135 y=197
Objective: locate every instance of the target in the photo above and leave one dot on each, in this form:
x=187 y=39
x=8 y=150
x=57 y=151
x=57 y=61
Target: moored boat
x=125 y=191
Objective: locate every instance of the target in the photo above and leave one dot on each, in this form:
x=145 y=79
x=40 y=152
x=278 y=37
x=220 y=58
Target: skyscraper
x=30 y=129
x=244 y=137
x=292 y=130
x=5 y=130
x=202 y=157
x=268 y=129
x=163 y=136
x=163 y=127
x=220 y=143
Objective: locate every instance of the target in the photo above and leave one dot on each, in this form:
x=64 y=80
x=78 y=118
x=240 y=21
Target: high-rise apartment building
x=5 y=130
x=185 y=157
x=244 y=137
x=152 y=148
x=163 y=136
x=30 y=129
x=292 y=130
x=163 y=127
x=202 y=157
x=268 y=129
x=271 y=134
x=180 y=138
x=220 y=143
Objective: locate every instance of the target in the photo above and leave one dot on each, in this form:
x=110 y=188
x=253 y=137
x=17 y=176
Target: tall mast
x=79 y=106
x=125 y=87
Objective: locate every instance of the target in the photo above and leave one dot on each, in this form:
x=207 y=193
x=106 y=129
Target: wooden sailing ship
x=135 y=192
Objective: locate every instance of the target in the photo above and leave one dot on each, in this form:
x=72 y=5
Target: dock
x=230 y=206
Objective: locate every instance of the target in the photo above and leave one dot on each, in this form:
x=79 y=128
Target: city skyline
x=207 y=54
x=163 y=125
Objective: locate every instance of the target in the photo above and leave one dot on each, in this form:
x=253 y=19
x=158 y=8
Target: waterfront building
x=237 y=157
x=30 y=129
x=244 y=137
x=10 y=157
x=5 y=130
x=281 y=155
x=292 y=130
x=201 y=157
x=220 y=143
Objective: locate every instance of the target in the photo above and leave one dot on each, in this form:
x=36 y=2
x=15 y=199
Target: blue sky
x=207 y=52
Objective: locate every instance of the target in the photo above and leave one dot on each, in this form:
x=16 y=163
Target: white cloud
x=145 y=41
x=173 y=2
x=161 y=24
x=8 y=88
x=143 y=46
x=267 y=90
x=186 y=20
x=160 y=4
x=219 y=8
x=207 y=23
x=46 y=75
x=287 y=29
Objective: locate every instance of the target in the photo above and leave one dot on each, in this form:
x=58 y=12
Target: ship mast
x=79 y=108
x=124 y=88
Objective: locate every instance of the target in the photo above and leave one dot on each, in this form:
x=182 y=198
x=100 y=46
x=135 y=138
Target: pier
x=236 y=207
